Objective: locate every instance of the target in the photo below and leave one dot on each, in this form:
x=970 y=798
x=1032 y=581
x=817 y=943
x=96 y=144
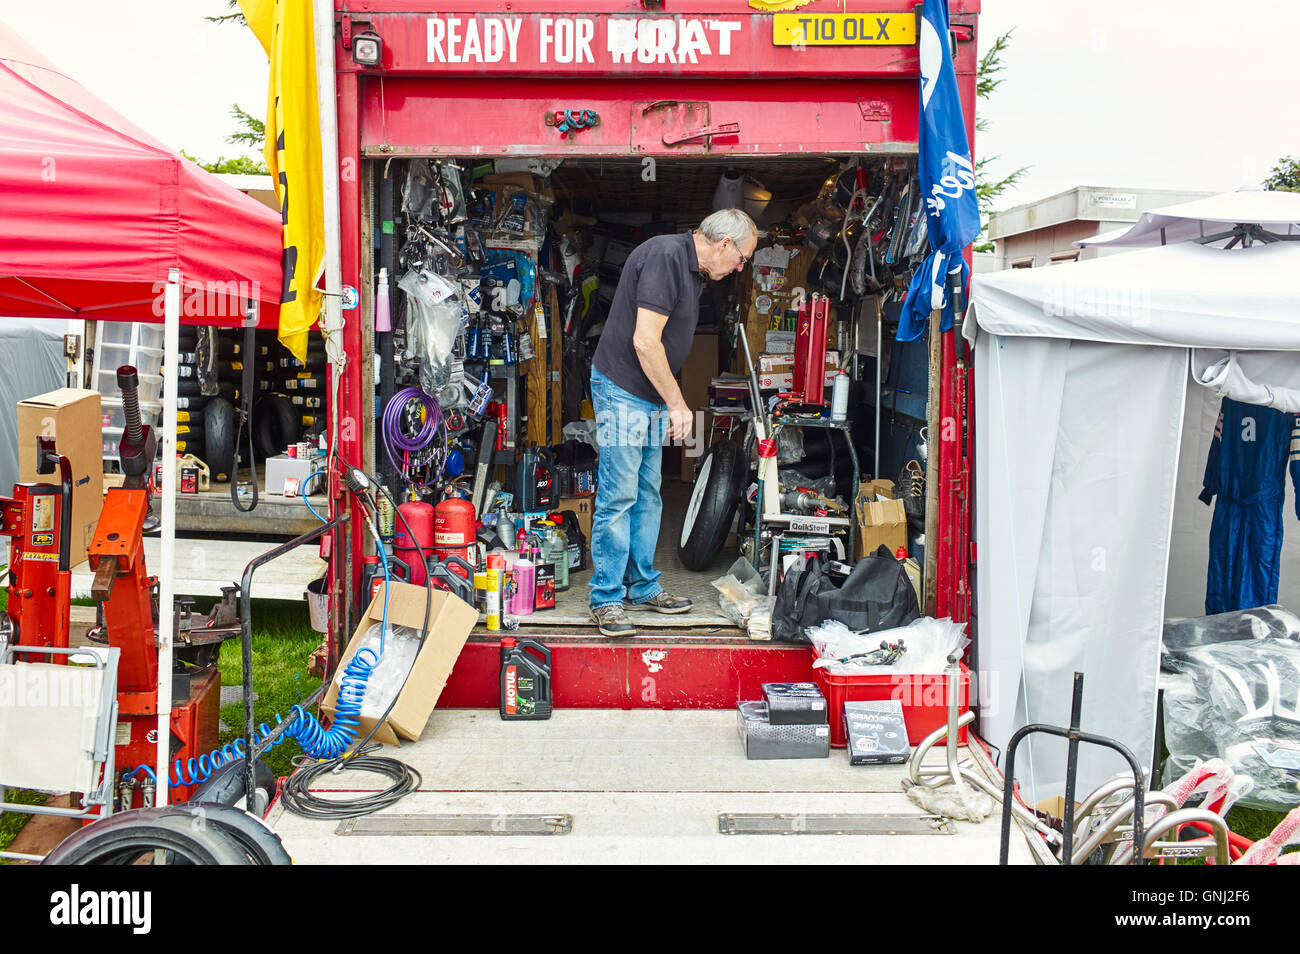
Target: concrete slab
x=642 y=786
x=204 y=565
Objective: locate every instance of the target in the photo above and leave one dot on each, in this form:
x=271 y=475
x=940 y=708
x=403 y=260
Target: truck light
x=367 y=48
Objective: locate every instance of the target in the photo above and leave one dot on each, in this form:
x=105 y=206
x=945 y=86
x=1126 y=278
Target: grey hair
x=728 y=223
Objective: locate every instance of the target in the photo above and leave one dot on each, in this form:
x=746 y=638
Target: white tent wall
x=1190 y=550
x=1075 y=489
x=31 y=358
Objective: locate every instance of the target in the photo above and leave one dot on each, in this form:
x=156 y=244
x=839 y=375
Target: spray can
x=480 y=589
x=492 y=601
x=525 y=679
x=840 y=396
x=383 y=313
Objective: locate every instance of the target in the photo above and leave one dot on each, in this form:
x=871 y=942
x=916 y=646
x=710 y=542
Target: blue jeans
x=630 y=432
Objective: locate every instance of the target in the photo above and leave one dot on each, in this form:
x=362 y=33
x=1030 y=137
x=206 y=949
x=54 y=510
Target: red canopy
x=94 y=212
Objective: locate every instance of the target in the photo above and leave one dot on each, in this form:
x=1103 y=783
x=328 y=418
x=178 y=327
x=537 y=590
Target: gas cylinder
x=454 y=529
x=412 y=531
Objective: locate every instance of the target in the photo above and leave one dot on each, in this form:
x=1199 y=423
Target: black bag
x=876 y=595
x=574 y=537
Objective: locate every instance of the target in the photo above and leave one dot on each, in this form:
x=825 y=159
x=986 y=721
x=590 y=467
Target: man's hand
x=680 y=421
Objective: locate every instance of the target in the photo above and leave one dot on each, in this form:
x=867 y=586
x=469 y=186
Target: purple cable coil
x=392 y=423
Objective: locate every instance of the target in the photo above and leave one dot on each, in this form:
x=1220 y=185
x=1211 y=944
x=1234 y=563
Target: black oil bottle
x=525 y=679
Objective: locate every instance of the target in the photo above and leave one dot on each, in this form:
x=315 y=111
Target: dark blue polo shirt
x=663 y=275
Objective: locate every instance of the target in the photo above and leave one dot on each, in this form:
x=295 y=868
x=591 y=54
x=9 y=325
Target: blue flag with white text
x=946 y=174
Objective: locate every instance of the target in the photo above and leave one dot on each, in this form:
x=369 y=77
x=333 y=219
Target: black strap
x=245 y=415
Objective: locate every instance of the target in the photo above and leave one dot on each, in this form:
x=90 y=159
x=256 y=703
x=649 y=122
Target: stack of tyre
x=291 y=394
x=205 y=422
x=288 y=396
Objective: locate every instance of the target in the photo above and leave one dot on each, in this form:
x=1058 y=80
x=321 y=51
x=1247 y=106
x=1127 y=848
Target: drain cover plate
x=840 y=824
x=456 y=824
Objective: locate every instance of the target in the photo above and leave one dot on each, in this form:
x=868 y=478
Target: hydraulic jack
x=37 y=519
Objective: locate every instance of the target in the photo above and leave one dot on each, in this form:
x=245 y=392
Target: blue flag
x=947 y=178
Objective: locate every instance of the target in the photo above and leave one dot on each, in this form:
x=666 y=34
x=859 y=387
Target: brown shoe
x=612 y=621
x=665 y=602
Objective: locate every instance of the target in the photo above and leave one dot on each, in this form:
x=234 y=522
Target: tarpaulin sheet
x=94 y=211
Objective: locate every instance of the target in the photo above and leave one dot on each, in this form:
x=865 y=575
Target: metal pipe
x=388 y=260
x=954 y=731
x=1114 y=820
x=1218 y=828
x=167 y=543
x=246 y=639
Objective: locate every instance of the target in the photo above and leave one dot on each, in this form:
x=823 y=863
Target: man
x=647 y=336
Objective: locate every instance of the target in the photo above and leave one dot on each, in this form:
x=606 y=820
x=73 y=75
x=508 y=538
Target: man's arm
x=649 y=345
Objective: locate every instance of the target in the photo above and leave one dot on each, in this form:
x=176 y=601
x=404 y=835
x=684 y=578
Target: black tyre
x=225 y=786
x=219 y=438
x=197 y=447
x=275 y=424
x=261 y=845
x=719 y=486
x=189 y=387
x=131 y=837
x=191 y=404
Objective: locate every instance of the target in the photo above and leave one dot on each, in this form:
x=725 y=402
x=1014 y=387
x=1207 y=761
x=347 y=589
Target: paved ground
x=639 y=786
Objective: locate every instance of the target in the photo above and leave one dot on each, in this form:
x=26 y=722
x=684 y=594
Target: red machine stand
x=124 y=588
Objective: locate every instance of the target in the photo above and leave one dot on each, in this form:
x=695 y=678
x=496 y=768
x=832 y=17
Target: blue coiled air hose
x=316 y=741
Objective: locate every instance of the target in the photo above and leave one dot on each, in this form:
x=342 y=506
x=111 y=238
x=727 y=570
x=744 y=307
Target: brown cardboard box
x=584 y=507
x=72 y=417
x=450 y=621
x=879 y=521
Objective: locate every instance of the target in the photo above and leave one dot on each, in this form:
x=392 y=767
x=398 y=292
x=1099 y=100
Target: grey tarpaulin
x=32 y=362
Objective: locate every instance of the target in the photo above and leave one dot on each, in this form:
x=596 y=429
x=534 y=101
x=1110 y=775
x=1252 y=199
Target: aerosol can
x=840 y=396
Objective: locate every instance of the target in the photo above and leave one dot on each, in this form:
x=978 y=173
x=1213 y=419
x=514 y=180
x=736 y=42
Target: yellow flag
x=293 y=154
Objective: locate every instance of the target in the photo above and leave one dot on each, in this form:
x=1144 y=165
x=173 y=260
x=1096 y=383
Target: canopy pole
x=167 y=555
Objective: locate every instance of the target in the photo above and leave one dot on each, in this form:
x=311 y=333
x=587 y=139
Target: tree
x=1285 y=176
x=250 y=131
x=987 y=190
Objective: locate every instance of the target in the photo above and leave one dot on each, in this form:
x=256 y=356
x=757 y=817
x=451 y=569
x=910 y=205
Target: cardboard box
x=450 y=621
x=762 y=740
x=876 y=732
x=584 y=507
x=879 y=521
x=794 y=703
x=776 y=371
x=72 y=416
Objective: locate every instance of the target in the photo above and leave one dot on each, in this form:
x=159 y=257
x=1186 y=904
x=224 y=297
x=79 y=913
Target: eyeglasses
x=744 y=259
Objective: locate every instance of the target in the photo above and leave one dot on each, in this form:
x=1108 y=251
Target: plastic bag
x=789 y=446
x=928 y=643
x=740 y=593
x=401 y=646
x=420 y=195
x=433 y=321
x=1241 y=703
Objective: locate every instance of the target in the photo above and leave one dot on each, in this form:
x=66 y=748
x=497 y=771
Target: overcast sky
x=1189 y=95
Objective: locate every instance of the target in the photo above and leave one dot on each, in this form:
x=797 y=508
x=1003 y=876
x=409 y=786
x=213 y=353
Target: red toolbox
x=924 y=699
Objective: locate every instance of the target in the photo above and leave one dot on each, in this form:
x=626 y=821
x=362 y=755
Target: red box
x=924 y=698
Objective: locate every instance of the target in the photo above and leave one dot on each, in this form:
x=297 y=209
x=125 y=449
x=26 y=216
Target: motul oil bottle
x=525 y=679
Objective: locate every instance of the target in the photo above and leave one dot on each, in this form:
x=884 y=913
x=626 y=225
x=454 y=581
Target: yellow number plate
x=843 y=29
